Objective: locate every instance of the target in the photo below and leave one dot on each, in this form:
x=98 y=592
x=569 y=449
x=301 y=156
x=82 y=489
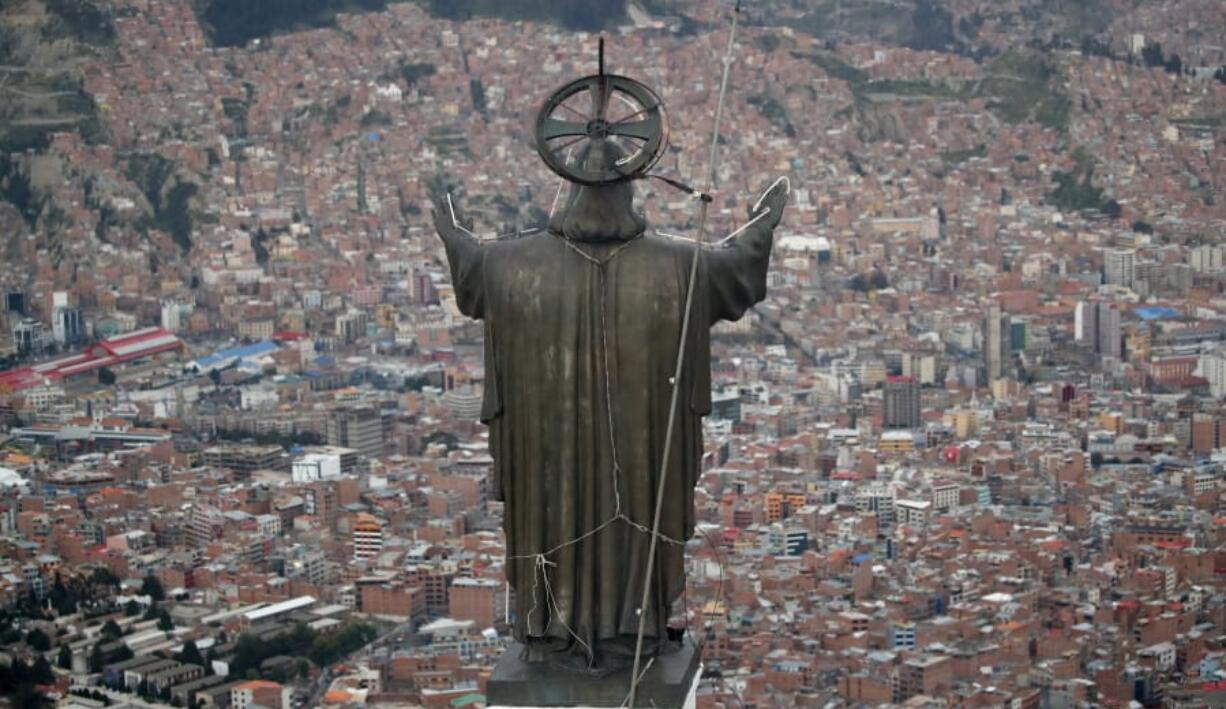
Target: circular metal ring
x=640 y=128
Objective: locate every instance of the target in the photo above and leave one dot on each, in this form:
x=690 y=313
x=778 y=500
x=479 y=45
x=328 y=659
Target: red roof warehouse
x=117 y=350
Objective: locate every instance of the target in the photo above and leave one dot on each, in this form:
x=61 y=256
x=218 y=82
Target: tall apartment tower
x=1110 y=331
x=1085 y=323
x=902 y=402
x=1120 y=267
x=995 y=343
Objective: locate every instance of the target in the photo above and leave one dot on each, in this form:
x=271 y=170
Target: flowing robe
x=578 y=361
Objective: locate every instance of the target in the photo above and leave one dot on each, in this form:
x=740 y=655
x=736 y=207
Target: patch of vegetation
x=958 y=156
x=1201 y=121
x=903 y=87
x=1022 y=86
x=477 y=90
x=932 y=28
x=774 y=112
x=231 y=23
x=81 y=20
x=414 y=72
x=1075 y=190
x=836 y=68
x=15 y=189
x=585 y=15
x=322 y=649
x=375 y=117
x=153 y=174
x=18 y=138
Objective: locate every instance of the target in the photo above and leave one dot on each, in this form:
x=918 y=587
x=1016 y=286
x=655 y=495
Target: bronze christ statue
x=582 y=329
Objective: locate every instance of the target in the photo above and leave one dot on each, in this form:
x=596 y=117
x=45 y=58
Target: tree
x=102 y=576
x=215 y=377
x=64 y=659
x=164 y=621
x=1096 y=460
x=191 y=654
x=38 y=640
x=111 y=630
x=96 y=660
x=152 y=587
x=1152 y=55
x=131 y=609
x=106 y=377
x=41 y=672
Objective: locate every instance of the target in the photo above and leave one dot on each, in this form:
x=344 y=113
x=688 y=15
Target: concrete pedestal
x=670 y=683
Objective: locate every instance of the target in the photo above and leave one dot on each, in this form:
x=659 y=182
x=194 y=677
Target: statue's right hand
x=445 y=224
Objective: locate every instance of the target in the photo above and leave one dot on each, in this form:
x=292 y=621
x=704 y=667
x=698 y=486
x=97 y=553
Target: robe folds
x=581 y=341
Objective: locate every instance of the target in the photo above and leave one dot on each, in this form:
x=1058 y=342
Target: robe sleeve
x=467 y=260
x=736 y=273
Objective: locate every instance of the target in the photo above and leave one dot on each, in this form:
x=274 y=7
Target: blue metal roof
x=1157 y=313
x=253 y=350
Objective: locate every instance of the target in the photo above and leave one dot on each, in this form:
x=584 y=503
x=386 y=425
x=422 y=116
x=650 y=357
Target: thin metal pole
x=676 y=383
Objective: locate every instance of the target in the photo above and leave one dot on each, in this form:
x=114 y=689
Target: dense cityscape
x=968 y=453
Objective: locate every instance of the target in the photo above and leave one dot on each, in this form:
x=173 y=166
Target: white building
x=912 y=512
x=1212 y=366
x=314 y=467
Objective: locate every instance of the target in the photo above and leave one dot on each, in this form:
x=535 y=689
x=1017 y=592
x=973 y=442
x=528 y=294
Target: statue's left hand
x=775 y=199
x=443 y=223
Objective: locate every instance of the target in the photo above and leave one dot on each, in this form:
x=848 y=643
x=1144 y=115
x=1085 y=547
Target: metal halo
x=642 y=132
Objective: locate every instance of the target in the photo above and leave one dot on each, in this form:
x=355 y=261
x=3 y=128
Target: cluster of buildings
x=968 y=451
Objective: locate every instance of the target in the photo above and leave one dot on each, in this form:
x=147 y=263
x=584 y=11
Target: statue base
x=670 y=683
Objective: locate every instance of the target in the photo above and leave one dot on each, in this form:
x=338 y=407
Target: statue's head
x=599 y=212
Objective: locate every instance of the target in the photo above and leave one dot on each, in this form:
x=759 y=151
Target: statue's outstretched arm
x=736 y=269
x=465 y=255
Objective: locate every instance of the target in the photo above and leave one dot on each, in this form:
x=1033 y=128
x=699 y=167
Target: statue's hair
x=601 y=212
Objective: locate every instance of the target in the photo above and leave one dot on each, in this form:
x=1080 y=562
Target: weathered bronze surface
x=582 y=328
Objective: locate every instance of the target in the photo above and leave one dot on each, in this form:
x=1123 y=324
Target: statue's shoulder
x=523 y=251
x=667 y=243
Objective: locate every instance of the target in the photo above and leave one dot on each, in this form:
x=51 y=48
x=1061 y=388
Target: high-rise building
x=995 y=343
x=1099 y=325
x=360 y=429
x=67 y=328
x=1119 y=267
x=1212 y=366
x=902 y=402
x=367 y=536
x=29 y=336
x=1085 y=323
x=1207 y=258
x=1110 y=331
x=173 y=313
x=351 y=326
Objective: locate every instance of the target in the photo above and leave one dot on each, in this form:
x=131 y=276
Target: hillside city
x=968 y=453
